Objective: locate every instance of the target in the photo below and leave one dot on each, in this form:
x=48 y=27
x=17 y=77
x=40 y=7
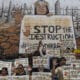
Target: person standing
x=59 y=69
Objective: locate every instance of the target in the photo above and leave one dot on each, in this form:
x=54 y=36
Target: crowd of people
x=55 y=68
x=41 y=8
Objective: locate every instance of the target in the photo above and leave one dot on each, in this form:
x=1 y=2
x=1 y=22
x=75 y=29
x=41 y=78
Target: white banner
x=21 y=77
x=41 y=76
x=5 y=78
x=37 y=61
x=23 y=61
x=50 y=33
